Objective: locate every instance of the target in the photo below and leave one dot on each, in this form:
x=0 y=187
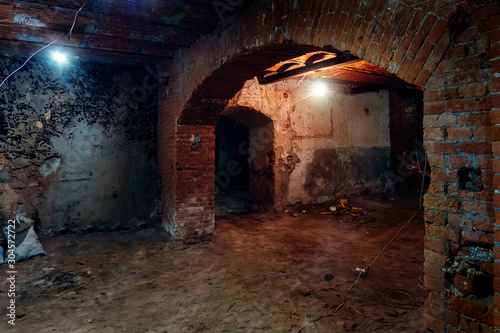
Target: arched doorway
x=244 y=159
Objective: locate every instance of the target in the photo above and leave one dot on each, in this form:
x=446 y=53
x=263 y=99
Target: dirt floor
x=262 y=272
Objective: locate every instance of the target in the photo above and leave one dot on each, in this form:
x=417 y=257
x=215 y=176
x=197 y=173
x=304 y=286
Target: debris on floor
x=22 y=241
x=345 y=209
x=264 y=272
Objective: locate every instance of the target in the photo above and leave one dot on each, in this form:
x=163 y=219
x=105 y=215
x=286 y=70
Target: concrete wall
x=326 y=147
x=78 y=143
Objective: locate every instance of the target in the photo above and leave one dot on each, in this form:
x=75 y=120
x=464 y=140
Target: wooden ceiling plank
x=62 y=19
x=82 y=40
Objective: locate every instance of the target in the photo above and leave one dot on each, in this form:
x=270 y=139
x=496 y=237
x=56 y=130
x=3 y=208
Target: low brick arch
x=450 y=50
x=408 y=41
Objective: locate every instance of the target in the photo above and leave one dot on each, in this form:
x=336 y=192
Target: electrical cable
x=364 y=270
x=43 y=48
x=74 y=21
x=24 y=64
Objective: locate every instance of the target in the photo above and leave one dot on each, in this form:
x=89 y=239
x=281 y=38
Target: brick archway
x=439 y=47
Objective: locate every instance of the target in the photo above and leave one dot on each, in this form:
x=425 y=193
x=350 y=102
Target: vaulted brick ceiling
x=128 y=29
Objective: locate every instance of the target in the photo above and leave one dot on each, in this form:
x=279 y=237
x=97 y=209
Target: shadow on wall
x=79 y=144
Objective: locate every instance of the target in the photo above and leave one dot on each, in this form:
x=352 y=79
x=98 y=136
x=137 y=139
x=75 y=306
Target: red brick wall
x=487 y=14
x=448 y=48
x=195 y=170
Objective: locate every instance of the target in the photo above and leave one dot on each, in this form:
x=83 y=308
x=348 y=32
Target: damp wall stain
x=345 y=171
x=94 y=125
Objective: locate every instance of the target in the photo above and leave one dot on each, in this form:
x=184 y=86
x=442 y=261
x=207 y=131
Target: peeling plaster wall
x=325 y=148
x=79 y=144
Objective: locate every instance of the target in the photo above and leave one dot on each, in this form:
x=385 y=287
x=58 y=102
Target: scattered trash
x=27 y=243
x=361 y=272
x=344 y=208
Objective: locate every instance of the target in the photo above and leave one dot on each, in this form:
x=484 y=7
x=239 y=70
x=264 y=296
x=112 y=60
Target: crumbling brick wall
x=451 y=51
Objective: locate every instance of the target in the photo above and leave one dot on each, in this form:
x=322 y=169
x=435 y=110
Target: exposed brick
x=495 y=132
x=436 y=188
x=463 y=284
x=435 y=244
x=440 y=120
x=484 y=162
x=483 y=132
x=443 y=175
x=475 y=309
x=468 y=105
x=440 y=231
x=460 y=221
x=434 y=217
x=435 y=81
x=485 y=195
x=434 y=325
x=457 y=65
x=434 y=108
x=456 y=51
x=416 y=21
x=486 y=267
x=435 y=134
x=440 y=95
x=481 y=208
x=433 y=270
x=438 y=52
x=436 y=285
x=441 y=147
x=468 y=325
x=418 y=42
x=487 y=178
x=460 y=161
x=443 y=314
x=472 y=90
x=422 y=78
x=437 y=31
x=402 y=48
x=404 y=68
x=459 y=133
x=477 y=239
x=496 y=148
x=437 y=160
x=477 y=147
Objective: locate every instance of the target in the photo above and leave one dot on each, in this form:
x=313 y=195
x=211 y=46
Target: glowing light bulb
x=319 y=89
x=59 y=57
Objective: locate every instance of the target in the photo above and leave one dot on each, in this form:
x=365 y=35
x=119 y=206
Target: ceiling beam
x=158 y=13
x=299 y=71
x=390 y=85
x=85 y=40
x=24 y=49
x=21 y=14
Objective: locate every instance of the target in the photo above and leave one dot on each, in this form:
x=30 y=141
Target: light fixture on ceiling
x=319 y=88
x=61 y=58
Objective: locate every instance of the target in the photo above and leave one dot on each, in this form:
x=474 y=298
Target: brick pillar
x=494 y=86
x=194 y=182
x=459 y=243
x=488 y=14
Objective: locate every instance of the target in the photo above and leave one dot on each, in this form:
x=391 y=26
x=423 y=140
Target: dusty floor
x=263 y=272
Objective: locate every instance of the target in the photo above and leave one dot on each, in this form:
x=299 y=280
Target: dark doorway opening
x=232 y=191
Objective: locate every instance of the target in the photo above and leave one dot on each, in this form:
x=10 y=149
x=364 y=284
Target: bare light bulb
x=319 y=89
x=59 y=57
